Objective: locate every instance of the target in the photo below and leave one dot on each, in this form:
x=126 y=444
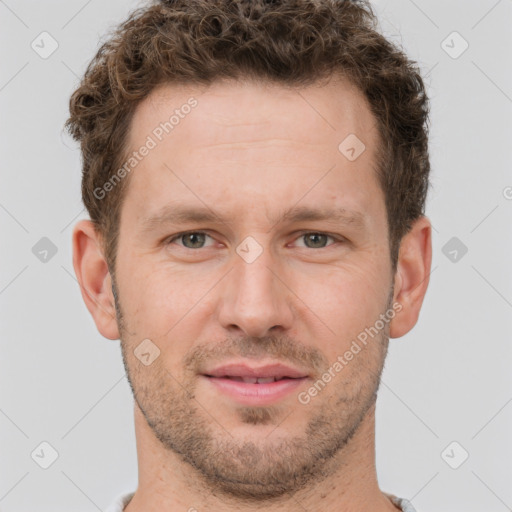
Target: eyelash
x=301 y=234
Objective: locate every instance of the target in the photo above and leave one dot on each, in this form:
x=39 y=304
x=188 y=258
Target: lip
x=277 y=370
x=248 y=393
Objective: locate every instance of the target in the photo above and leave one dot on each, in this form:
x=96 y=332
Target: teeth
x=254 y=380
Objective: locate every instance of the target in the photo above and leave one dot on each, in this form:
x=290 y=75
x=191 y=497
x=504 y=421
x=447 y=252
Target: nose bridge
x=254 y=280
x=255 y=300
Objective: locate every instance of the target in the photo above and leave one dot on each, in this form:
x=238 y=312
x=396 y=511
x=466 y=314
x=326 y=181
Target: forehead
x=241 y=107
x=247 y=141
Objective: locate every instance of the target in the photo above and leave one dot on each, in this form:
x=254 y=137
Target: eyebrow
x=336 y=215
x=176 y=215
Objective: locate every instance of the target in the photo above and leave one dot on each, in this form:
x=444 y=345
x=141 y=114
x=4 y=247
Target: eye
x=314 y=240
x=191 y=239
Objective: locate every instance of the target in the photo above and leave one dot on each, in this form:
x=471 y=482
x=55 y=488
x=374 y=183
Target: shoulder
x=120 y=502
x=403 y=504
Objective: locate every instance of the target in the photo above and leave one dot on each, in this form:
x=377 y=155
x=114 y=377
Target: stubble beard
x=276 y=466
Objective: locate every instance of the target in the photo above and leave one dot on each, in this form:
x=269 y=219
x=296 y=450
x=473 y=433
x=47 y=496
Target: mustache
x=281 y=348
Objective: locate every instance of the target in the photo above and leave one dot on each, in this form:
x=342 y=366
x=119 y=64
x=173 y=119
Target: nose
x=255 y=298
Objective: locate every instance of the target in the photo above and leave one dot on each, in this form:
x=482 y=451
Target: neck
x=167 y=484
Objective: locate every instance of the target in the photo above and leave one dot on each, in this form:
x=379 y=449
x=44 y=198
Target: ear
x=412 y=276
x=94 y=278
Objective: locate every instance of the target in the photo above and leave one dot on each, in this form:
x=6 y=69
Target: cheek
x=148 y=302
x=342 y=303
x=164 y=305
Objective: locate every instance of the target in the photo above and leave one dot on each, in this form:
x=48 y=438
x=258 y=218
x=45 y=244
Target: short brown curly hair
x=289 y=42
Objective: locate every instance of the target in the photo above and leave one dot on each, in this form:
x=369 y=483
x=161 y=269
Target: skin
x=248 y=152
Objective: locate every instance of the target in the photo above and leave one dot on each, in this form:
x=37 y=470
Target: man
x=256 y=174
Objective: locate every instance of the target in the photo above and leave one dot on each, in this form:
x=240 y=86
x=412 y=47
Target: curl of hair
x=290 y=42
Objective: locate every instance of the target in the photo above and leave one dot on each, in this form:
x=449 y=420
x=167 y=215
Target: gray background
x=448 y=380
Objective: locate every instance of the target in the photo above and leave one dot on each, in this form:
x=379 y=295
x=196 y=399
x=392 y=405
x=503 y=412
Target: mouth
x=250 y=385
x=252 y=380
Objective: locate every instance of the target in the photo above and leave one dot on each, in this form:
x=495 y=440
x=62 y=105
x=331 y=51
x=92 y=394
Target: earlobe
x=412 y=276
x=92 y=272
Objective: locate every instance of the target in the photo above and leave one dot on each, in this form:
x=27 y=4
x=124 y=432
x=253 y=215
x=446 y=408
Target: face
x=251 y=245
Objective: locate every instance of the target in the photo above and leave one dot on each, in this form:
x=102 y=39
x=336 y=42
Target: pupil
x=316 y=235
x=196 y=239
